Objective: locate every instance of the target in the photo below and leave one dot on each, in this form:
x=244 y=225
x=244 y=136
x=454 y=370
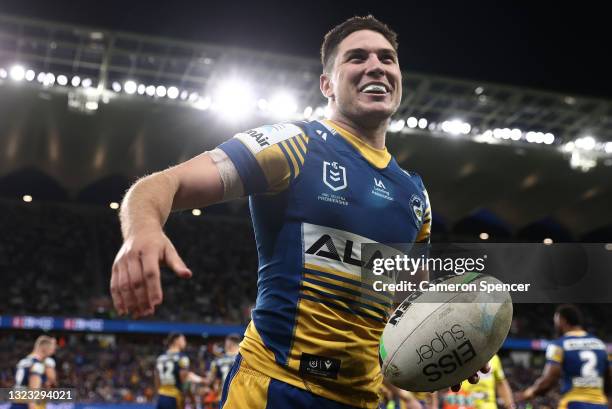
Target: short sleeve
x=267 y=158
x=49 y=362
x=554 y=354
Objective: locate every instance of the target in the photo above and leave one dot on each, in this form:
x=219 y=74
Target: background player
x=579 y=359
x=30 y=371
x=172 y=374
x=428 y=400
x=221 y=366
x=483 y=393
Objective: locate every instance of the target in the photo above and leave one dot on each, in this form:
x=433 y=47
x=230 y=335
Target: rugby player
x=30 y=371
x=172 y=374
x=221 y=366
x=483 y=393
x=317 y=191
x=580 y=360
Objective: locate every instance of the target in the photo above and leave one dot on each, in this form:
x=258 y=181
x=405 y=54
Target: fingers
x=152 y=277
x=115 y=293
x=174 y=261
x=138 y=285
x=456 y=388
x=474 y=378
x=486 y=368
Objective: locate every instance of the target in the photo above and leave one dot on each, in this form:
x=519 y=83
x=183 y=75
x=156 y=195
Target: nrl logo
x=334 y=176
x=417 y=207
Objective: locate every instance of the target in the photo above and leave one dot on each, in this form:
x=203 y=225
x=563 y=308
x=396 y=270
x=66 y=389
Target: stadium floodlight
x=530 y=137
x=586 y=143
x=193 y=97
x=41 y=77
x=76 y=80
x=27 y=198
x=233 y=98
x=62 y=80
x=86 y=83
x=484 y=236
x=283 y=105
x=116 y=86
x=196 y=212
x=114 y=205
x=479 y=90
x=412 y=122
x=160 y=91
x=608 y=147
x=548 y=241
x=549 y=138
x=203 y=103
x=422 y=123
x=91 y=105
x=173 y=92
x=141 y=89
x=49 y=79
x=30 y=75
x=17 y=72
x=515 y=134
x=397 y=126
x=3 y=73
x=150 y=90
x=130 y=87
x=184 y=95
x=308 y=112
x=456 y=127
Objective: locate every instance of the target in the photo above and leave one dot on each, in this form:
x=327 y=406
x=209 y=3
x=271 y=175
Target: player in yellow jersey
x=484 y=392
x=318 y=190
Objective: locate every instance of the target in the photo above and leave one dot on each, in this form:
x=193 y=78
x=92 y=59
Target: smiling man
x=318 y=190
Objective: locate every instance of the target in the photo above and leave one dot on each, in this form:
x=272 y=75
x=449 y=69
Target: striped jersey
x=317 y=193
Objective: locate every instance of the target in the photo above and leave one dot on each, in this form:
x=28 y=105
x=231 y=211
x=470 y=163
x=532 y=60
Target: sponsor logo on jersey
x=339 y=250
x=258 y=139
x=334 y=176
x=380 y=190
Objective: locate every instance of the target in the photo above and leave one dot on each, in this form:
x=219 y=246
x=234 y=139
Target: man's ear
x=325 y=85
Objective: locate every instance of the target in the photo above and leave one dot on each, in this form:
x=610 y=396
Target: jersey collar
x=379 y=158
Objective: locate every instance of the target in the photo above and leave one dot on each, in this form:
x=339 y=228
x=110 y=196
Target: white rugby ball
x=436 y=339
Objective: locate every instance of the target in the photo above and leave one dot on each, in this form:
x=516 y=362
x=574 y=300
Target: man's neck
x=373 y=136
x=37 y=355
x=173 y=349
x=573 y=329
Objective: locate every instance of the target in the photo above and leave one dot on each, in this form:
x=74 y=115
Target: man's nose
x=374 y=66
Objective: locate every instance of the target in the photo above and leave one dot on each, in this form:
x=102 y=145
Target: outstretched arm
x=135 y=281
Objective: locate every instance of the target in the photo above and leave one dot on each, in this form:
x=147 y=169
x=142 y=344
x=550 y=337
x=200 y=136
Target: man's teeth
x=373 y=88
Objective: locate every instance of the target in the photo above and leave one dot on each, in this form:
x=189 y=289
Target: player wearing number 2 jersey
x=580 y=360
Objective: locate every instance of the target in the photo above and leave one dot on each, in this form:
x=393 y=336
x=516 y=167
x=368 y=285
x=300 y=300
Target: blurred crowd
x=57 y=261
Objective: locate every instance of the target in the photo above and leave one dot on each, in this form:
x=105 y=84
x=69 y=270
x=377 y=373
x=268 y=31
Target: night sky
x=558 y=47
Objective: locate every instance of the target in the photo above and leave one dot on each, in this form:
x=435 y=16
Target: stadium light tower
x=233 y=99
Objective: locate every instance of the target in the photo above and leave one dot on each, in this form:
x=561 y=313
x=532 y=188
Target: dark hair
x=235 y=338
x=171 y=338
x=570 y=313
x=335 y=36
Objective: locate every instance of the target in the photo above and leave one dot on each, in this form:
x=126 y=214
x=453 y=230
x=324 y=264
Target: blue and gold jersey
x=317 y=193
x=584 y=362
x=169 y=366
x=28 y=367
x=221 y=366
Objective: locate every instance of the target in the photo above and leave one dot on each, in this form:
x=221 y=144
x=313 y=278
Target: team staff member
x=580 y=360
x=317 y=191
x=483 y=393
